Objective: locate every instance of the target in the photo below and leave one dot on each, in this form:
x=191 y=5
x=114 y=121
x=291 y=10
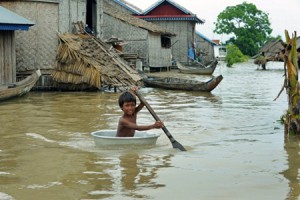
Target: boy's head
x=126 y=97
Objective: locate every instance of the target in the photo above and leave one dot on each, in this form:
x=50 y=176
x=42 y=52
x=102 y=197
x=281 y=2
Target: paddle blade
x=177 y=145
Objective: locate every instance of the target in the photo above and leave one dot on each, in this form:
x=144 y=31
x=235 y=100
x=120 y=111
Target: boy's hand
x=158 y=124
x=134 y=89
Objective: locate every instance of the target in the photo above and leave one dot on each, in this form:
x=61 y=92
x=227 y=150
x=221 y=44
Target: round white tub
x=108 y=137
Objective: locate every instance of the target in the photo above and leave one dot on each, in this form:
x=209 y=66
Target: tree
x=234 y=55
x=291 y=84
x=250 y=26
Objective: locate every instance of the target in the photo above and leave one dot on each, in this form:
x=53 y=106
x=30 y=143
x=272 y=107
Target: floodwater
x=236 y=147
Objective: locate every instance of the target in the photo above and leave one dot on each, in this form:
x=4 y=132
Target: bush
x=234 y=55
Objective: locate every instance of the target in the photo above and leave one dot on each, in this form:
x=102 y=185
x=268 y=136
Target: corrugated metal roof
x=12 y=21
x=13 y=27
x=128 y=6
x=206 y=38
x=108 y=9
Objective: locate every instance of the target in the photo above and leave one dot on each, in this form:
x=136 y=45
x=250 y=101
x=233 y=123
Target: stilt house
x=151 y=42
x=37 y=48
x=177 y=19
x=271 y=50
x=10 y=23
x=204 y=48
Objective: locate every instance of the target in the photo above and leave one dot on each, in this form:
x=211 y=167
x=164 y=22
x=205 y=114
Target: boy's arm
x=130 y=125
x=141 y=105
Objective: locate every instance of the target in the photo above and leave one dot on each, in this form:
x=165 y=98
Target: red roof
x=169 y=10
x=166 y=9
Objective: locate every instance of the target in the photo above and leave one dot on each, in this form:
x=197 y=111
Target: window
x=165 y=41
x=222 y=51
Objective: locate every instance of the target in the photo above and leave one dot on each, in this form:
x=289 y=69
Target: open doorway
x=91 y=15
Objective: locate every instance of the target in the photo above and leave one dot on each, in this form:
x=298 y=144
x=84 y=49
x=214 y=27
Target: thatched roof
x=84 y=60
x=109 y=10
x=272 y=47
x=271 y=50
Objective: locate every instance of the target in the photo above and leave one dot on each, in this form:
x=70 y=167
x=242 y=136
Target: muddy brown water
x=235 y=145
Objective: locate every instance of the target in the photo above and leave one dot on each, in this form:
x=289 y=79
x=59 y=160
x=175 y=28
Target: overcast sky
x=282 y=14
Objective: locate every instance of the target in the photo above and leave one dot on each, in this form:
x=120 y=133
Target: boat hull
x=197 y=69
x=20 y=88
x=182 y=84
x=104 y=138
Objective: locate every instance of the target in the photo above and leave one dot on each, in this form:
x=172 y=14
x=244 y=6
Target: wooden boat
x=182 y=84
x=108 y=137
x=20 y=88
x=197 y=68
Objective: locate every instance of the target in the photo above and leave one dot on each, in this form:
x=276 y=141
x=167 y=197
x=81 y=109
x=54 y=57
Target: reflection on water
x=292 y=173
x=236 y=146
x=124 y=176
x=138 y=172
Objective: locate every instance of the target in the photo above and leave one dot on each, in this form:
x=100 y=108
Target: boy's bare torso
x=125 y=131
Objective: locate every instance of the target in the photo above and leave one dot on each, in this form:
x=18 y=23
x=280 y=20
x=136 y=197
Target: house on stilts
x=39 y=48
x=205 y=48
x=151 y=42
x=11 y=24
x=175 y=18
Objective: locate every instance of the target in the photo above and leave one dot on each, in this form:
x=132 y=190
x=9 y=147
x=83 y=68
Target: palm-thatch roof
x=269 y=52
x=272 y=47
x=84 y=61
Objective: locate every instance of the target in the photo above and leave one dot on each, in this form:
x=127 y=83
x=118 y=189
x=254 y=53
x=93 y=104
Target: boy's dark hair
x=126 y=97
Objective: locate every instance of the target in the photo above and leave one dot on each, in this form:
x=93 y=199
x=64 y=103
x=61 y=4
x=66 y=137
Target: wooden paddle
x=171 y=138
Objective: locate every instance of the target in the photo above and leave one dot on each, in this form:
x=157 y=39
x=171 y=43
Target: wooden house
x=271 y=51
x=37 y=48
x=205 y=48
x=149 y=41
x=182 y=22
x=10 y=23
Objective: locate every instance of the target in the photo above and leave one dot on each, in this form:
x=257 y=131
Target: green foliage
x=250 y=27
x=234 y=55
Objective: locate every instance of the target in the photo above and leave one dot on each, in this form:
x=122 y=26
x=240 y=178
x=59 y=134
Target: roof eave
x=15 y=27
x=195 y=19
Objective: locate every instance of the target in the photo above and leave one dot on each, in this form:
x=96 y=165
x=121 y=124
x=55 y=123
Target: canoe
x=108 y=137
x=197 y=68
x=182 y=84
x=20 y=88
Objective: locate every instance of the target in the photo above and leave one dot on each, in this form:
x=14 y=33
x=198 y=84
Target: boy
x=127 y=123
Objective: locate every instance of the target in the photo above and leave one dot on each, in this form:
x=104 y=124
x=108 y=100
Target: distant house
x=220 y=51
x=10 y=22
x=37 y=48
x=177 y=19
x=151 y=42
x=271 y=50
x=205 y=47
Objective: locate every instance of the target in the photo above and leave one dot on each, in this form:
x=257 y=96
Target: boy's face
x=128 y=108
